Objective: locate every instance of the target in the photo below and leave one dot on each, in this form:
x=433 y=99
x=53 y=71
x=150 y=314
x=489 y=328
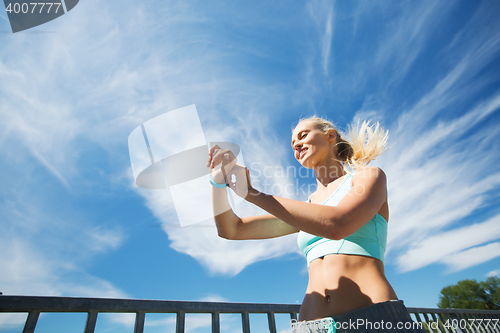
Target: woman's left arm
x=364 y=200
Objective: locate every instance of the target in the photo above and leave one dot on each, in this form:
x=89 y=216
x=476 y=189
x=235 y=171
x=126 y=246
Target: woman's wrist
x=252 y=195
x=217 y=178
x=218 y=185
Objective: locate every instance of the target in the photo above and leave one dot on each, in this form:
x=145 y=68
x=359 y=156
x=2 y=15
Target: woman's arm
x=364 y=200
x=229 y=225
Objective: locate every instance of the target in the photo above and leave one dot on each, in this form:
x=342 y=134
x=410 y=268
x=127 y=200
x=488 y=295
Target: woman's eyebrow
x=298 y=134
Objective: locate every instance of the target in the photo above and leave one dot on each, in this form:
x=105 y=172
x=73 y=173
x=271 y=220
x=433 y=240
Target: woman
x=342 y=227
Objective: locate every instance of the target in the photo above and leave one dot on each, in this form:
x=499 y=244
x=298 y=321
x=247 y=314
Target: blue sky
x=73 y=222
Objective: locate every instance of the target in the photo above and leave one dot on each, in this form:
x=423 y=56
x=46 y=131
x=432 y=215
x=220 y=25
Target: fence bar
x=428 y=322
x=419 y=320
x=180 y=322
x=436 y=320
x=463 y=319
x=483 y=327
x=140 y=318
x=442 y=317
x=31 y=321
x=272 y=322
x=493 y=324
x=245 y=322
x=215 y=322
x=91 y=321
x=469 y=324
x=481 y=321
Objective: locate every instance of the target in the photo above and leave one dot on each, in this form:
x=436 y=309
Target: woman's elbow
x=225 y=234
x=335 y=235
x=336 y=231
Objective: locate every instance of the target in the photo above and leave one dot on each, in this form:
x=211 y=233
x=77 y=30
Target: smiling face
x=311 y=145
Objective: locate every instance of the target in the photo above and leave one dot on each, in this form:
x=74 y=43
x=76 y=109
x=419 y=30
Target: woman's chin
x=306 y=163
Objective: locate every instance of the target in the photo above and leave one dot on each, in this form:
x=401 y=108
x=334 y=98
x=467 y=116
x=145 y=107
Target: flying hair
x=363 y=143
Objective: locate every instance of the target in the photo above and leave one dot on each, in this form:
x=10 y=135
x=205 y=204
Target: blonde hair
x=363 y=144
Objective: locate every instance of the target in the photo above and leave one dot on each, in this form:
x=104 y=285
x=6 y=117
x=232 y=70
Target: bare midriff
x=339 y=283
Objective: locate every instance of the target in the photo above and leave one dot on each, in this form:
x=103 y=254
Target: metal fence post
x=91 y=321
x=140 y=318
x=30 y=325
x=215 y=322
x=180 y=322
x=245 y=321
x=272 y=322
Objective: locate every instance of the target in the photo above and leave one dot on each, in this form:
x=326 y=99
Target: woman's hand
x=239 y=180
x=223 y=157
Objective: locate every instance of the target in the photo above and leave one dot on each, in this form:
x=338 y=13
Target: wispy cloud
x=472 y=257
x=47 y=257
x=459 y=248
x=82 y=90
x=322 y=14
x=423 y=164
x=441 y=172
x=327 y=42
x=403 y=39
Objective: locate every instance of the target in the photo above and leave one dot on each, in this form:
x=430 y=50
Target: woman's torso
x=339 y=283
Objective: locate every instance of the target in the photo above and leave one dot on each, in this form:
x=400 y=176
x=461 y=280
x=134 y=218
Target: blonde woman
x=342 y=228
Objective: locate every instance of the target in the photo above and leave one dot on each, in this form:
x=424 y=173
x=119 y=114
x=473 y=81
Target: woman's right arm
x=229 y=225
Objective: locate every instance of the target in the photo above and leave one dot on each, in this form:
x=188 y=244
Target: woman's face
x=310 y=145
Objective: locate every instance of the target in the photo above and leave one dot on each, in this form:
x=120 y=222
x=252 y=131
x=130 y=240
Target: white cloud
x=425 y=164
x=264 y=154
x=471 y=257
x=62 y=95
x=440 y=167
x=227 y=257
x=439 y=173
x=327 y=42
x=32 y=268
x=27 y=269
x=217 y=255
x=493 y=273
x=459 y=244
x=75 y=94
x=431 y=188
x=213 y=298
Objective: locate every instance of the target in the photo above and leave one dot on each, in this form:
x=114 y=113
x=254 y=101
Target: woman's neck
x=328 y=172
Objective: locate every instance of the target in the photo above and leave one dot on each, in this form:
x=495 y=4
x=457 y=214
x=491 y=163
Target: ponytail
x=363 y=143
x=366 y=142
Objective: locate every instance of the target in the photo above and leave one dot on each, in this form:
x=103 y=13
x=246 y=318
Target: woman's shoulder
x=370 y=175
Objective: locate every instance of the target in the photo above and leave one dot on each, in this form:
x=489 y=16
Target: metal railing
x=433 y=320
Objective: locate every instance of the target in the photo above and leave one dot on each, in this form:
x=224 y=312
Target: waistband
x=387 y=309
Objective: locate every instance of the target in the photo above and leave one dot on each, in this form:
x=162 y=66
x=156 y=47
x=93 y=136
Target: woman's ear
x=332 y=135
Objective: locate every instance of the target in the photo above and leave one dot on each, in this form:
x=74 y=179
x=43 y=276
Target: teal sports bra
x=369 y=240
